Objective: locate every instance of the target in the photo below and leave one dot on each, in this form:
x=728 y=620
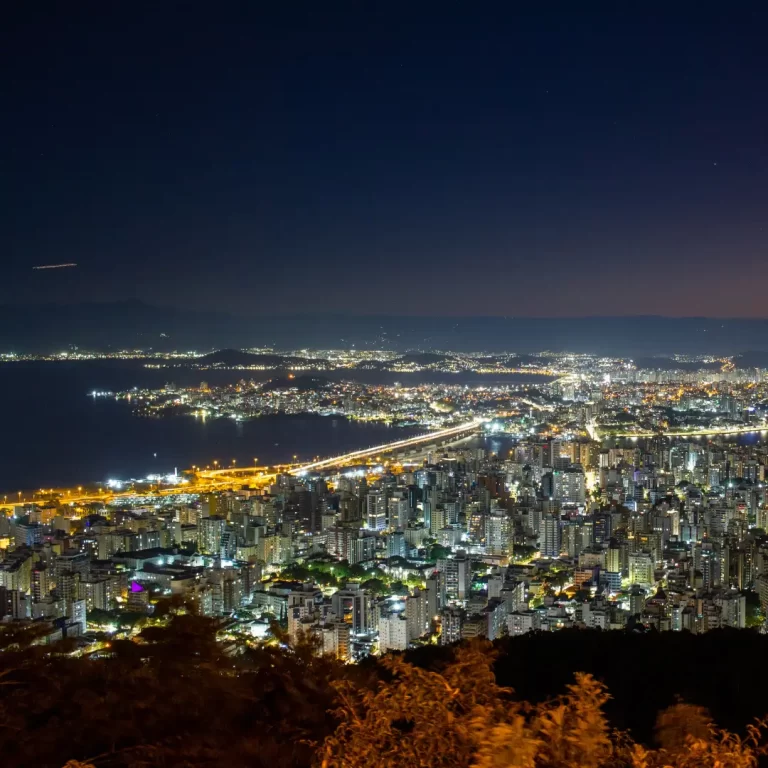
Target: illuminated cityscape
x=383 y=385
x=607 y=496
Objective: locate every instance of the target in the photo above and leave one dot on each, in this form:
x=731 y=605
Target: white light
x=259 y=630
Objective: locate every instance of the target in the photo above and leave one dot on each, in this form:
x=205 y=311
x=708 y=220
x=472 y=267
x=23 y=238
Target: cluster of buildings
x=538 y=524
x=494 y=537
x=572 y=395
x=426 y=405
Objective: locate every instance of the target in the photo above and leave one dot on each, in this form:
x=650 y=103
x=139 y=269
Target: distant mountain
x=120 y=325
x=133 y=324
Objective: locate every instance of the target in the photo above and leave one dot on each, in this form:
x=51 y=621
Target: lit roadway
x=207 y=480
x=594 y=432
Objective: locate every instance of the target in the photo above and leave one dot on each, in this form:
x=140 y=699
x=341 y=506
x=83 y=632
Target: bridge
x=207 y=480
x=354 y=457
x=441 y=436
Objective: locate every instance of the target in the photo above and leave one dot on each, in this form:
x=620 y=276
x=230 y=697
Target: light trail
x=55 y=266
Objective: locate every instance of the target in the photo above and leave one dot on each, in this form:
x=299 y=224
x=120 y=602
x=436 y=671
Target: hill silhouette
x=137 y=325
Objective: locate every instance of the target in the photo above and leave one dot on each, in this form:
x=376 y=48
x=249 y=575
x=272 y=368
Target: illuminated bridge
x=443 y=435
x=207 y=480
x=261 y=473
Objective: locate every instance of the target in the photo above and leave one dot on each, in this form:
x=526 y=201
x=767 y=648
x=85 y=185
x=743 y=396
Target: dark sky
x=404 y=158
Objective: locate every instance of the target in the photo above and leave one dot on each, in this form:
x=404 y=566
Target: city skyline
x=599 y=161
x=426 y=338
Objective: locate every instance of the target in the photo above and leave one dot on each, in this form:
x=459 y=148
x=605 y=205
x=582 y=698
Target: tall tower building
x=549 y=535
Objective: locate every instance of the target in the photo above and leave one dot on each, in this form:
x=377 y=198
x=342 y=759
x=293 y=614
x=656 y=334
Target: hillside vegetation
x=173 y=698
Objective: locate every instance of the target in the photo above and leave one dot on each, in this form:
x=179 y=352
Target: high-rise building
x=570 y=486
x=41 y=581
x=97 y=593
x=26 y=533
x=706 y=560
x=355 y=606
x=436 y=593
x=733 y=609
x=522 y=622
x=14 y=604
x=495 y=616
x=70 y=568
x=549 y=535
x=398 y=511
x=498 y=532
x=376 y=510
x=396 y=545
x=275 y=549
x=335 y=637
x=210 y=534
x=451 y=620
x=641 y=567
x=457 y=576
x=393 y=633
x=351 y=544
x=417 y=614
x=76 y=612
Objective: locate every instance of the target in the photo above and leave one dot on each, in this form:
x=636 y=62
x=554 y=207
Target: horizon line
x=320 y=313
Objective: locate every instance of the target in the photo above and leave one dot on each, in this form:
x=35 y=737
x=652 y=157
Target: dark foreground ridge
x=178 y=696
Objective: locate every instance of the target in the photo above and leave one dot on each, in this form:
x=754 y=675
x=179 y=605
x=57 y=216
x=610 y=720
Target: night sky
x=559 y=159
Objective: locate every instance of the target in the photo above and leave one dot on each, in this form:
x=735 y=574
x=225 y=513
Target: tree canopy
x=175 y=697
